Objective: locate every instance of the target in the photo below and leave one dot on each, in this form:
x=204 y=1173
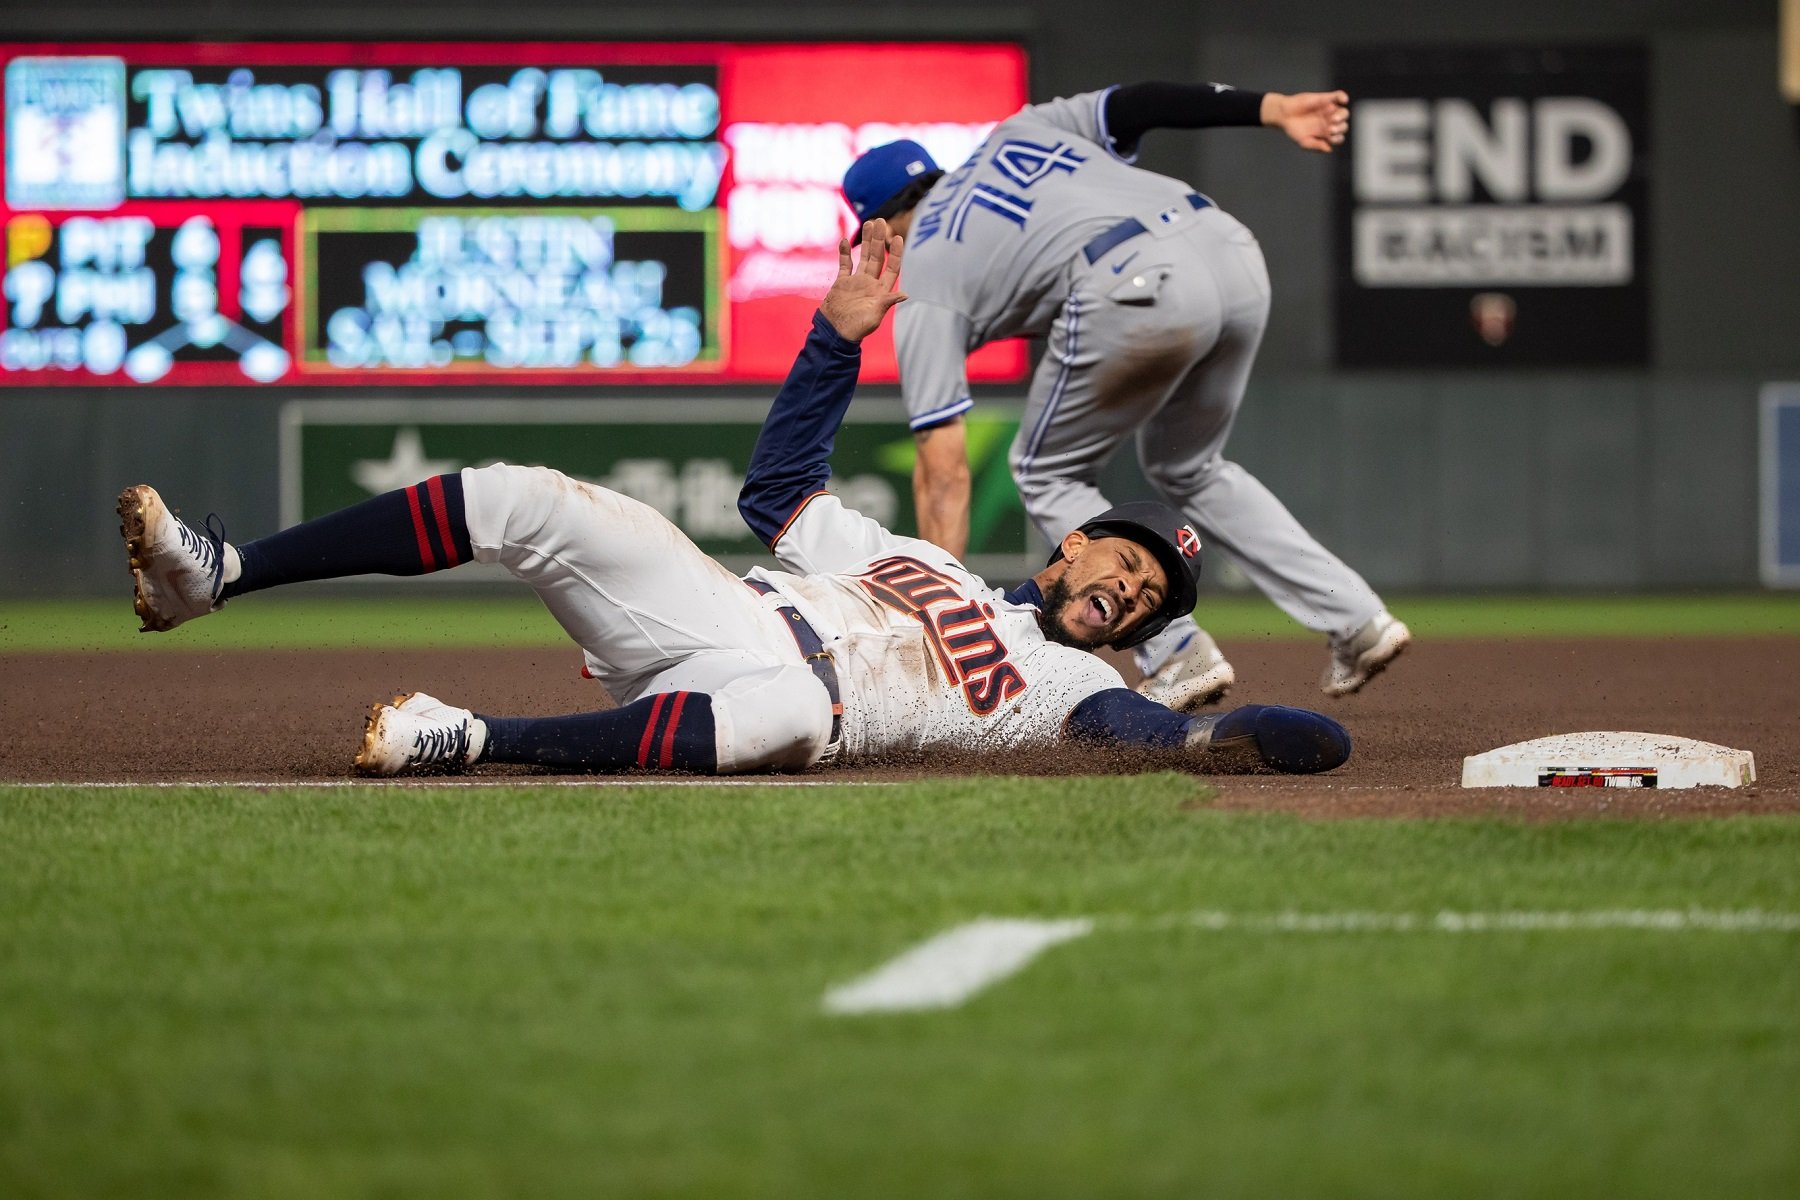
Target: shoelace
x=440 y=744
x=209 y=549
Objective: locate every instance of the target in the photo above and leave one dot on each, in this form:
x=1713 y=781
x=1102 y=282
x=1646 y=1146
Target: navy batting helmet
x=1166 y=534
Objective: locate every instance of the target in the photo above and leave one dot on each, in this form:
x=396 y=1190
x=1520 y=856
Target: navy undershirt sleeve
x=1117 y=714
x=1026 y=593
x=1133 y=109
x=793 y=451
x=1121 y=715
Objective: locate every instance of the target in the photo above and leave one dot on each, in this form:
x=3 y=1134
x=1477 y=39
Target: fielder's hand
x=862 y=295
x=1314 y=120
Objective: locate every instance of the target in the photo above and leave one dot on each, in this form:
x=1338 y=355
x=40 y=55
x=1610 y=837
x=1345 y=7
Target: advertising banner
x=686 y=460
x=1493 y=207
x=431 y=213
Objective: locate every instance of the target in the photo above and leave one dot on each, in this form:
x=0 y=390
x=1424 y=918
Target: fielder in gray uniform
x=1152 y=302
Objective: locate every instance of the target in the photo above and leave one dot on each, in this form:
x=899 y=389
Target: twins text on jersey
x=959 y=630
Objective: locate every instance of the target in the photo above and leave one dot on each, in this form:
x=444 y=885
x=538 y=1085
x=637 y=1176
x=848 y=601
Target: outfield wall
x=1619 y=478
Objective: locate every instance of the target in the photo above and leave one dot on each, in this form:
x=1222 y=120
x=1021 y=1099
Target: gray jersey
x=1159 y=354
x=992 y=246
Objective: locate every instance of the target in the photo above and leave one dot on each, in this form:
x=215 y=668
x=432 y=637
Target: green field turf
x=590 y=992
x=514 y=619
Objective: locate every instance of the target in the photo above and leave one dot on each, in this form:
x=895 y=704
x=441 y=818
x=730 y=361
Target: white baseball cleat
x=1364 y=654
x=177 y=571
x=416 y=732
x=1198 y=675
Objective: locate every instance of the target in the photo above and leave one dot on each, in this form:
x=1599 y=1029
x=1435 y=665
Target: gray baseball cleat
x=1198 y=675
x=177 y=571
x=414 y=732
x=1364 y=654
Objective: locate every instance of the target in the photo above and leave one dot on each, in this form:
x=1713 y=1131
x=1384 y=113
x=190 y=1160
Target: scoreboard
x=430 y=213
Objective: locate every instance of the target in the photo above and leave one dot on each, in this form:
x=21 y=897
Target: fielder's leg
x=1110 y=363
x=1181 y=450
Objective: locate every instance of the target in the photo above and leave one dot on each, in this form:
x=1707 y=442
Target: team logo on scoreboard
x=65 y=132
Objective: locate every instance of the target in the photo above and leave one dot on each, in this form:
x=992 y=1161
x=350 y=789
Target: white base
x=1617 y=760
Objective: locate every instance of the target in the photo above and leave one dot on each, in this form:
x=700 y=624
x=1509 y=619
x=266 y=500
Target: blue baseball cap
x=883 y=173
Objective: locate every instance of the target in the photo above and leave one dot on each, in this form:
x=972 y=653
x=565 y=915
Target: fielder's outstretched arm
x=1314 y=120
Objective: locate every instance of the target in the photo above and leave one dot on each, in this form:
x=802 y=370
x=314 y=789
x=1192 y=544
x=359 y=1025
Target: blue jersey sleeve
x=792 y=458
x=1121 y=715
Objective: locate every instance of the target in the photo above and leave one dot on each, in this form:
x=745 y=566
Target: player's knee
x=773 y=720
x=520 y=489
x=1044 y=492
x=1180 y=480
x=513 y=505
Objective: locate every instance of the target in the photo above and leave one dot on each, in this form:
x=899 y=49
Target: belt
x=813 y=650
x=1129 y=228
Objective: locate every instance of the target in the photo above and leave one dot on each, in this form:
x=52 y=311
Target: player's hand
x=1314 y=120
x=862 y=294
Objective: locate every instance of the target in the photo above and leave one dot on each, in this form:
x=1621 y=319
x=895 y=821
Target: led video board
x=425 y=213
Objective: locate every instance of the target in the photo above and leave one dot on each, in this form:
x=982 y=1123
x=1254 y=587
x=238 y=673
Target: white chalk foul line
x=494 y=781
x=949 y=968
x=1751 y=920
x=952 y=967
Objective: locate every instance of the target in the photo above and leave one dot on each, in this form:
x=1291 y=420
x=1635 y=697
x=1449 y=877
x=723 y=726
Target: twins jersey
x=992 y=245
x=928 y=656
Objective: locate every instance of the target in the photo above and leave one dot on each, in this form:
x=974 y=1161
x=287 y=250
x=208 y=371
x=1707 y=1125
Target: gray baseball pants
x=1157 y=338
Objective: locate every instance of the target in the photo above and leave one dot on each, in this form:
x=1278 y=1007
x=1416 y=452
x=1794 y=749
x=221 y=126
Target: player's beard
x=1057 y=600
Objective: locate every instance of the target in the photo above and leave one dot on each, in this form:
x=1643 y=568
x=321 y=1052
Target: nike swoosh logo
x=1125 y=262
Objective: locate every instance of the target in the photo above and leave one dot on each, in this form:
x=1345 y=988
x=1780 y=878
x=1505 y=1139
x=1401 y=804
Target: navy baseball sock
x=409 y=532
x=667 y=731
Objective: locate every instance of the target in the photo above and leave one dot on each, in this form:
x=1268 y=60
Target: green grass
x=515 y=619
x=552 y=992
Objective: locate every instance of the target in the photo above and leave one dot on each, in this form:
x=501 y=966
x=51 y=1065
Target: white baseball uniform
x=1152 y=302
x=926 y=655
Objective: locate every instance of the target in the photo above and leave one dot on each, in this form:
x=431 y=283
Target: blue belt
x=1129 y=228
x=813 y=650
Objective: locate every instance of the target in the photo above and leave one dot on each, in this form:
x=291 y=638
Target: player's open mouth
x=1098 y=612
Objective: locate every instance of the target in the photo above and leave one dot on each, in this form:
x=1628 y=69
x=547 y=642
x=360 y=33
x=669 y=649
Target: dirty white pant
x=651 y=611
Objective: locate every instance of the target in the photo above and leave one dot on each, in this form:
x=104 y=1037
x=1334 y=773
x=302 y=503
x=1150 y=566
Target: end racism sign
x=1493 y=208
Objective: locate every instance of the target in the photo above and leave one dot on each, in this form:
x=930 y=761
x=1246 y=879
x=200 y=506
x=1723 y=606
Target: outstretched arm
x=791 y=462
x=861 y=294
x=1313 y=120
x=1294 y=740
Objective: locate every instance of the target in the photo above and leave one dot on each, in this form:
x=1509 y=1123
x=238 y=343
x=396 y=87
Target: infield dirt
x=277 y=717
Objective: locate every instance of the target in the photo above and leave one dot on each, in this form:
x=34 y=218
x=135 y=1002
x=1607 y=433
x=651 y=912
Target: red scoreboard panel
x=428 y=213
